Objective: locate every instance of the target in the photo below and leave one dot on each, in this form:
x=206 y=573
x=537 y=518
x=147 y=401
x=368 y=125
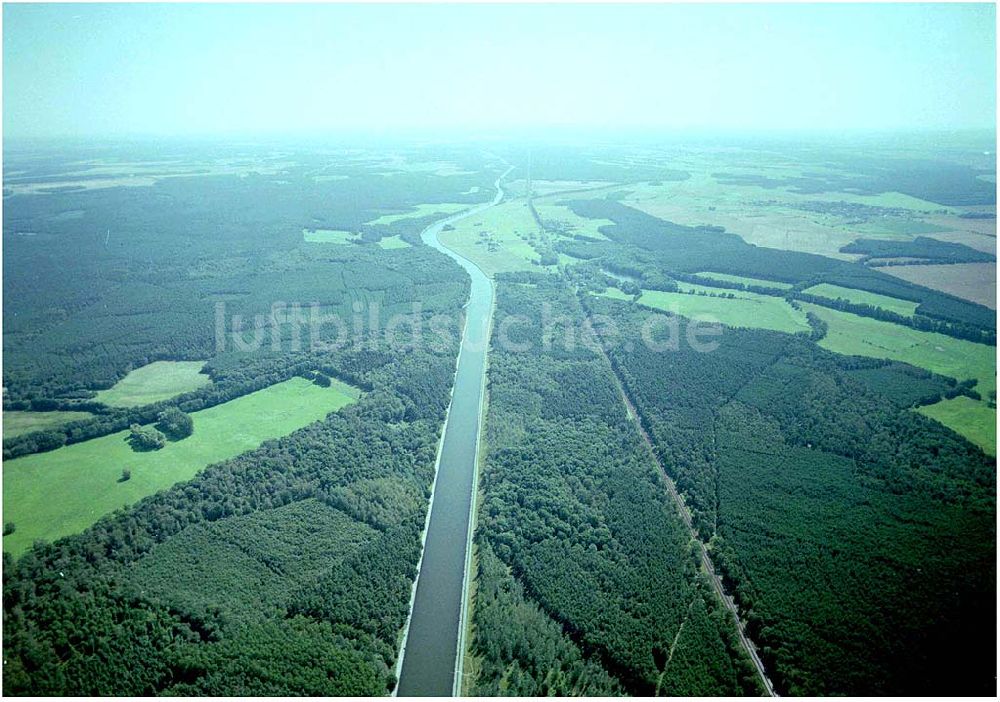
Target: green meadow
x=16 y=423
x=862 y=297
x=329 y=236
x=420 y=211
x=974 y=420
x=862 y=336
x=393 y=242
x=955 y=358
x=156 y=381
x=744 y=310
x=498 y=239
x=56 y=493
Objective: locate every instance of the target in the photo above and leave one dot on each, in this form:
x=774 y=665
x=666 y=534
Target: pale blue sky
x=186 y=69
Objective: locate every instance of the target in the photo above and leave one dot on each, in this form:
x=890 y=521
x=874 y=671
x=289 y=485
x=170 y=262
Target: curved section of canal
x=430 y=652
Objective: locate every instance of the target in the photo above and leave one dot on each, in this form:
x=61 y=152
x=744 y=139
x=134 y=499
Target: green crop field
x=420 y=211
x=862 y=297
x=863 y=336
x=725 y=277
x=745 y=310
x=156 y=381
x=17 y=423
x=52 y=494
x=392 y=242
x=329 y=236
x=976 y=421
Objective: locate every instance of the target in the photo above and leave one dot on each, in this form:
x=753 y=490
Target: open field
x=420 y=211
x=979 y=242
x=392 y=242
x=972 y=281
x=52 y=494
x=542 y=188
x=863 y=336
x=156 y=381
x=329 y=236
x=745 y=310
x=862 y=297
x=897 y=227
x=773 y=217
x=562 y=219
x=615 y=294
x=17 y=423
x=976 y=421
x=97 y=174
x=498 y=239
x=757 y=215
x=725 y=277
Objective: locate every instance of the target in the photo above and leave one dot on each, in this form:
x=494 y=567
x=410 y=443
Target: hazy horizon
x=299 y=70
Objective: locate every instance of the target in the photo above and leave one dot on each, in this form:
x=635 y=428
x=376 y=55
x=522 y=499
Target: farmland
x=972 y=281
x=499 y=240
x=743 y=310
x=60 y=492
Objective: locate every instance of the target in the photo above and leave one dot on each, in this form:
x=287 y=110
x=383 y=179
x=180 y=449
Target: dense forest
x=577 y=538
x=150 y=263
x=286 y=570
x=922 y=248
x=856 y=535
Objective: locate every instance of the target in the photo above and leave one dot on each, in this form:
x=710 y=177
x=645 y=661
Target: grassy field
x=329 y=236
x=746 y=310
x=393 y=242
x=861 y=297
x=498 y=239
x=615 y=294
x=562 y=218
x=419 y=211
x=974 y=420
x=766 y=217
x=156 y=381
x=956 y=358
x=725 y=277
x=52 y=494
x=17 y=423
x=863 y=336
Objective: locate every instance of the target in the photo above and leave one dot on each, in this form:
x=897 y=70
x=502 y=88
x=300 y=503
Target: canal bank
x=430 y=652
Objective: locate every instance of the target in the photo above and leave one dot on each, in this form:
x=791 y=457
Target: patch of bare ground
x=973 y=281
